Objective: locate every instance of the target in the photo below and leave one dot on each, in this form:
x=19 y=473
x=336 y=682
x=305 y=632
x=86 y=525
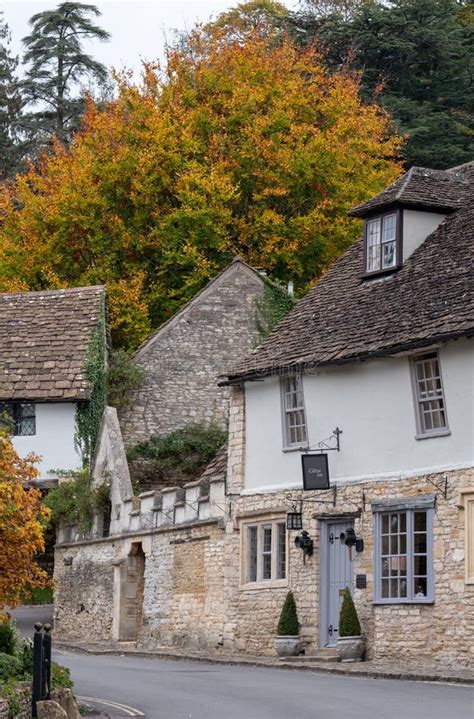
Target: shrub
x=8 y=637
x=25 y=655
x=349 y=625
x=288 y=624
x=61 y=677
x=75 y=502
x=176 y=458
x=123 y=378
x=10 y=667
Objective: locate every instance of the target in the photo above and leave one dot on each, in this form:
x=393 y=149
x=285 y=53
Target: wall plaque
x=361 y=581
x=315 y=471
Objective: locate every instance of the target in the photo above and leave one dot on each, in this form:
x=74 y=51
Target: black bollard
x=37 y=668
x=46 y=693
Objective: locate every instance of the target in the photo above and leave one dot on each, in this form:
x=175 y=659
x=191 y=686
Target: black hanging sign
x=315 y=471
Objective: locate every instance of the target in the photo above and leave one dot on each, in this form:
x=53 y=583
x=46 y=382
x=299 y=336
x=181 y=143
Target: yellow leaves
x=241 y=145
x=21 y=518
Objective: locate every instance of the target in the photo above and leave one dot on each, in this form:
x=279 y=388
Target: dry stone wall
x=184 y=359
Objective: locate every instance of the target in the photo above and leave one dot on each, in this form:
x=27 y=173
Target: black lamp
x=294 y=520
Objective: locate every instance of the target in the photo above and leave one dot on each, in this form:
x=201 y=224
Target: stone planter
x=289 y=646
x=350 y=649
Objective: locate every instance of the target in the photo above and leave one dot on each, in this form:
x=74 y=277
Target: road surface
x=168 y=689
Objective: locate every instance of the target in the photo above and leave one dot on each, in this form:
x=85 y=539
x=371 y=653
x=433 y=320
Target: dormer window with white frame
x=295 y=434
x=382 y=243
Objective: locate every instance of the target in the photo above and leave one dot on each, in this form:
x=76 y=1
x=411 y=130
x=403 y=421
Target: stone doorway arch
x=132 y=580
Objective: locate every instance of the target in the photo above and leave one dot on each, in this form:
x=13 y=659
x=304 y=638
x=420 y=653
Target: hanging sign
x=315 y=471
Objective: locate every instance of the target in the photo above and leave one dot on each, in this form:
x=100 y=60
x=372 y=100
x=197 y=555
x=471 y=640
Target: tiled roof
x=344 y=318
x=421 y=187
x=43 y=342
x=217 y=465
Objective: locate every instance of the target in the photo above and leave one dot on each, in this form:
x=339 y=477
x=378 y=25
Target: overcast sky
x=139 y=28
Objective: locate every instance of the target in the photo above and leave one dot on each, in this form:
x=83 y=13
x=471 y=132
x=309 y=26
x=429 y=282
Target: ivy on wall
x=89 y=414
x=272 y=307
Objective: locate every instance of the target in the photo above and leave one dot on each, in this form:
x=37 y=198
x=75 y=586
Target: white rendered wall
x=372 y=403
x=417 y=226
x=54 y=438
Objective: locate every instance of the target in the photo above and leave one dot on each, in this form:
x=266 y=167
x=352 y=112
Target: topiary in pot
x=350 y=644
x=287 y=642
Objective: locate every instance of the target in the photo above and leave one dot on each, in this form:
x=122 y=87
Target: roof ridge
x=404 y=183
x=64 y=290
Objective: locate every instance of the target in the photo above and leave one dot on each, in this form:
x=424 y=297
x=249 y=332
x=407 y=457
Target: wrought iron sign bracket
x=328 y=444
x=441 y=486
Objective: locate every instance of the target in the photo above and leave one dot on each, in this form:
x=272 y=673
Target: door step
x=326 y=654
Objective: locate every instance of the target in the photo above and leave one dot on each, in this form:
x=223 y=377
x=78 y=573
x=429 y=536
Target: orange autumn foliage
x=22 y=516
x=242 y=146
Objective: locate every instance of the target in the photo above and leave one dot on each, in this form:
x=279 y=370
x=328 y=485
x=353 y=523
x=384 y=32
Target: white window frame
x=410 y=554
x=246 y=582
x=422 y=432
x=286 y=412
x=381 y=242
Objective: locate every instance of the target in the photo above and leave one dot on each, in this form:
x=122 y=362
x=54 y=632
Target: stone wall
x=439 y=633
x=84 y=588
x=183 y=360
x=183 y=600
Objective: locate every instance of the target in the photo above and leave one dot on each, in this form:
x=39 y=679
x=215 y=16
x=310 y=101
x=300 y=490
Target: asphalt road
x=194 y=690
x=168 y=689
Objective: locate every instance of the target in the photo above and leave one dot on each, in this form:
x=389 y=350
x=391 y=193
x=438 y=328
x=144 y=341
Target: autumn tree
x=22 y=517
x=239 y=146
x=56 y=63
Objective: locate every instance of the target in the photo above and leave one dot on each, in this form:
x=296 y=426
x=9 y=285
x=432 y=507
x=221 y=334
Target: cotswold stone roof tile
x=346 y=318
x=421 y=187
x=43 y=342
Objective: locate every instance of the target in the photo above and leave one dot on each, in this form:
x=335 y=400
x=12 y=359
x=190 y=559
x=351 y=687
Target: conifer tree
x=10 y=105
x=57 y=63
x=416 y=56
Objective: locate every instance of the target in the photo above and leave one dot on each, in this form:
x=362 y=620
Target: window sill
x=430 y=435
x=300 y=448
x=401 y=602
x=380 y=273
x=269 y=584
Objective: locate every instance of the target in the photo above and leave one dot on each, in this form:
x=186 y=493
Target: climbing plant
x=89 y=414
x=272 y=307
x=76 y=501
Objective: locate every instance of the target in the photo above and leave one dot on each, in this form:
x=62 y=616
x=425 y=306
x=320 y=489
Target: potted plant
x=350 y=644
x=287 y=642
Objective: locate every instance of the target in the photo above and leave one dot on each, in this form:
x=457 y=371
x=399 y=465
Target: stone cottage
x=44 y=340
x=182 y=361
x=369 y=380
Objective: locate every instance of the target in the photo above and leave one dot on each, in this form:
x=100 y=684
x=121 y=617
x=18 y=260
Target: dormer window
x=382 y=243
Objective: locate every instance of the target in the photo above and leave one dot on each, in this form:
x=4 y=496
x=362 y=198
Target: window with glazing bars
x=294 y=416
x=403 y=556
x=381 y=241
x=19 y=417
x=266 y=552
x=429 y=394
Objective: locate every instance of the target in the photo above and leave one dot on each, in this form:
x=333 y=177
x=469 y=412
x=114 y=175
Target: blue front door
x=336 y=575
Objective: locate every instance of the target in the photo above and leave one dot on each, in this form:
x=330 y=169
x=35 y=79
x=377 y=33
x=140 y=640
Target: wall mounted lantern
x=350 y=540
x=303 y=541
x=294 y=520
